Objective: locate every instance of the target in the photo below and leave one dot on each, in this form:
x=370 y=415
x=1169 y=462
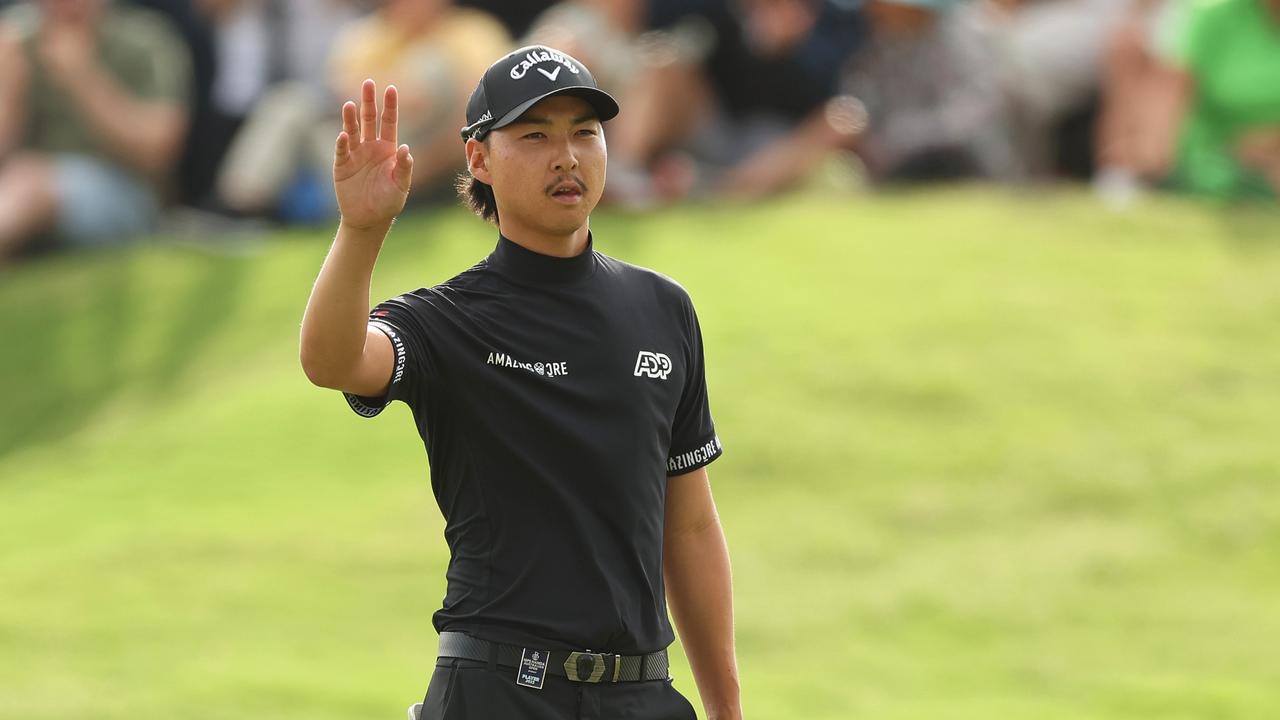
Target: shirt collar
x=525 y=265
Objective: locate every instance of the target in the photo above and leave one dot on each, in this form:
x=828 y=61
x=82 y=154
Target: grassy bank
x=987 y=456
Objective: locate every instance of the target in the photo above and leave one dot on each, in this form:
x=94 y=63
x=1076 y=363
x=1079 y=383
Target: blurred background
x=990 y=298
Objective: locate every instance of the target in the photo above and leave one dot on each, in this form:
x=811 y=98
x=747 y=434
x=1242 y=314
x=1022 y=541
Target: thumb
x=403 y=173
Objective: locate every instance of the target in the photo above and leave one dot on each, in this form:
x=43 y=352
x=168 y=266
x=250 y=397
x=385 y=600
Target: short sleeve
x=22 y=20
x=159 y=66
x=401 y=320
x=694 y=442
x=1168 y=37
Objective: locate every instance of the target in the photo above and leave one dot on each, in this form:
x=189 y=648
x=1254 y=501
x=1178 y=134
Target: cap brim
x=605 y=106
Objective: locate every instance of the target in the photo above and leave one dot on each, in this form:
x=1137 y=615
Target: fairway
x=987 y=456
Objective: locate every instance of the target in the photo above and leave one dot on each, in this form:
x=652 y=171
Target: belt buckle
x=586 y=666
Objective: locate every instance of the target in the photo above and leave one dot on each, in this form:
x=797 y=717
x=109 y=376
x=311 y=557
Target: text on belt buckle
x=587 y=666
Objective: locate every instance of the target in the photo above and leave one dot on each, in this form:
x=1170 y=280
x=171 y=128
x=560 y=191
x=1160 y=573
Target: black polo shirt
x=554 y=396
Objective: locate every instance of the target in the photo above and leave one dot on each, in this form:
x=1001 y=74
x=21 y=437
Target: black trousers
x=474 y=690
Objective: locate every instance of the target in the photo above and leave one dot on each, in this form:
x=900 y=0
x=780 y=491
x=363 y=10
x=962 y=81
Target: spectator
x=1143 y=94
x=430 y=50
x=195 y=168
x=271 y=52
x=95 y=97
x=603 y=34
x=929 y=82
x=732 y=98
x=1229 y=143
x=1050 y=59
x=517 y=16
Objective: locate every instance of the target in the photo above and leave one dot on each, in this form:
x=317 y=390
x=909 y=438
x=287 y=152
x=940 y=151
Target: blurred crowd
x=116 y=110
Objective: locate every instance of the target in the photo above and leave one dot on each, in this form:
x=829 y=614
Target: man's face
x=777 y=26
x=547 y=168
x=895 y=18
x=75 y=12
x=413 y=11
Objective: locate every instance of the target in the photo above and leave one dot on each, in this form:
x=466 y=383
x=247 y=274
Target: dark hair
x=478 y=196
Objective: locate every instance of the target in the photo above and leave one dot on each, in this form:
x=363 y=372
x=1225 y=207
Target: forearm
x=788 y=159
x=12 y=122
x=700 y=594
x=11 y=128
x=803 y=148
x=337 y=315
x=145 y=135
x=1164 y=109
x=13 y=89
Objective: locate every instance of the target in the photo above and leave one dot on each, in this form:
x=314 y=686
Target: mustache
x=582 y=186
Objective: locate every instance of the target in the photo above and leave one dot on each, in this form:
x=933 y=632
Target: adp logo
x=652 y=364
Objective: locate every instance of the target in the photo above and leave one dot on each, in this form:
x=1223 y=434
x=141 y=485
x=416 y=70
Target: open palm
x=371 y=173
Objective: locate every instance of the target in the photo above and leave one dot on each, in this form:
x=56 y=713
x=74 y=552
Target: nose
x=564 y=159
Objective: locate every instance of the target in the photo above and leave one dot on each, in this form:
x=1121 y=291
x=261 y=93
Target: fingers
x=368 y=112
x=350 y=122
x=360 y=122
x=390 y=114
x=342 y=148
x=403 y=174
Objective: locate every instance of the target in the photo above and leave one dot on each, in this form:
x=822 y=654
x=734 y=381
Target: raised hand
x=371 y=174
x=68 y=50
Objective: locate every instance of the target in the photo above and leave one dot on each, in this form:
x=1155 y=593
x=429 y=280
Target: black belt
x=585 y=666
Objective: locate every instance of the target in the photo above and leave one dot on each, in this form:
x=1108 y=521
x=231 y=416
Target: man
x=1229 y=141
x=95 y=102
x=1211 y=120
x=736 y=99
x=561 y=397
x=435 y=48
x=1048 y=56
x=1143 y=94
x=929 y=82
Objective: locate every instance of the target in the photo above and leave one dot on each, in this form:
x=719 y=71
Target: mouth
x=568 y=192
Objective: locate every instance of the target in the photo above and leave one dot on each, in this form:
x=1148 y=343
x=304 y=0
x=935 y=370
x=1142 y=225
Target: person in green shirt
x=1229 y=143
x=95 y=99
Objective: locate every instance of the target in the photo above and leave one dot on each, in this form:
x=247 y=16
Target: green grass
x=988 y=456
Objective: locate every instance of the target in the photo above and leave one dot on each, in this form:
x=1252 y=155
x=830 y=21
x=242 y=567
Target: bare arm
x=700 y=591
x=14 y=76
x=371 y=175
x=789 y=158
x=338 y=348
x=1166 y=101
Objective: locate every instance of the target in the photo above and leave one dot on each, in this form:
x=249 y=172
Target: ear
x=478 y=161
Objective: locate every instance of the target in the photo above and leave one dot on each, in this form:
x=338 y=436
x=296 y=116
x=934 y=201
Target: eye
x=534 y=136
x=587 y=131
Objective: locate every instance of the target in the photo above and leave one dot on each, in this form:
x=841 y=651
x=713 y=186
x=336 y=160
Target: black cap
x=522 y=78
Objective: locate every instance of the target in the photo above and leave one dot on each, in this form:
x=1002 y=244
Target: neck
x=554 y=244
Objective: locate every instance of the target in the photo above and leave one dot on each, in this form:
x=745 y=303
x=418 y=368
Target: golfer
x=561 y=398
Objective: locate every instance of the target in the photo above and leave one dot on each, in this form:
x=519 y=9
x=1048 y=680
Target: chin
x=570 y=218
x=567 y=224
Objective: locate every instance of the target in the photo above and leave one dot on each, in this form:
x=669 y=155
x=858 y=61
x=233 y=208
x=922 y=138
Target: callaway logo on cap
x=522 y=78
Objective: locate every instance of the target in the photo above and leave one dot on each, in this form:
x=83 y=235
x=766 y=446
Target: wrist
x=728 y=708
x=81 y=81
x=374 y=232
x=725 y=713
